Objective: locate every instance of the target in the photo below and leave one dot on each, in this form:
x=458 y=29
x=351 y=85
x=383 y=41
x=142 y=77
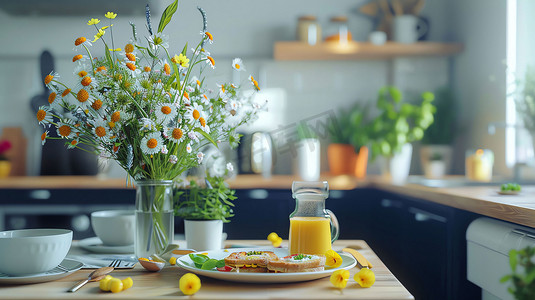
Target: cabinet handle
x=525 y=233
x=40 y=194
x=390 y=203
x=423 y=216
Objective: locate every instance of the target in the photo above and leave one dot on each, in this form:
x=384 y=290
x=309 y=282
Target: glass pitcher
x=312 y=227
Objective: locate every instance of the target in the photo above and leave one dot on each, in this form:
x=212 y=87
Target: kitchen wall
x=248 y=29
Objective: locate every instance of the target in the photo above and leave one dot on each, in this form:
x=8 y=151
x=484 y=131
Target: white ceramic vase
x=204 y=235
x=436 y=168
x=396 y=168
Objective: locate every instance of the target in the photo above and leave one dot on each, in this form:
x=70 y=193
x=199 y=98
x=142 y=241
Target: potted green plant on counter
x=398 y=124
x=437 y=149
x=348 y=151
x=205 y=204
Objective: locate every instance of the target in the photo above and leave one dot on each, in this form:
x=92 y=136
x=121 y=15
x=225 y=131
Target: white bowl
x=32 y=251
x=114 y=227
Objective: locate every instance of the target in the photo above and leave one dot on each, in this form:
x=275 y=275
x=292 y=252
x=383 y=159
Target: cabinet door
x=426 y=254
x=352 y=209
x=257 y=212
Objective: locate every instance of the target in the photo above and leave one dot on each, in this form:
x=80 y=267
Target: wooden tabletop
x=164 y=284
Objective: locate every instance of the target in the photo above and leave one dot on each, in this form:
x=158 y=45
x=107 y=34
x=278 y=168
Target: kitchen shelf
x=361 y=50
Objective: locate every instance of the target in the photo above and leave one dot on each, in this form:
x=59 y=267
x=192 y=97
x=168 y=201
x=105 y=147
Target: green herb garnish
x=510 y=187
x=204 y=262
x=254 y=253
x=301 y=256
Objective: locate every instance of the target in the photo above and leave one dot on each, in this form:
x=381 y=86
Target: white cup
x=377 y=37
x=114 y=227
x=407 y=29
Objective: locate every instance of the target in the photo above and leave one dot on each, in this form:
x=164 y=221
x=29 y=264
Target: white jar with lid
x=308 y=30
x=338 y=30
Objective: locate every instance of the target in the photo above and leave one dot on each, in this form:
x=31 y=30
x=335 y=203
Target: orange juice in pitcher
x=312 y=227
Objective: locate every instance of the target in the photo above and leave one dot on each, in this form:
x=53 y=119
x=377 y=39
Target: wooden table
x=164 y=285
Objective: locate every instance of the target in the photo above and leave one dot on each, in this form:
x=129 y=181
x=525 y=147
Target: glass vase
x=154 y=217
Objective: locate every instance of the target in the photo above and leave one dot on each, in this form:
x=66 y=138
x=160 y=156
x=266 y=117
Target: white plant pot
x=436 y=171
x=308 y=159
x=203 y=235
x=396 y=168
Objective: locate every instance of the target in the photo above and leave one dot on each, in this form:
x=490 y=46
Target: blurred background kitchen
x=493 y=45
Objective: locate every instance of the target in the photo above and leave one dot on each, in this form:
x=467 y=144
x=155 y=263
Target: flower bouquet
x=146 y=107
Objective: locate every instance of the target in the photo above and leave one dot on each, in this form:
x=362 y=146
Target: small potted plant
x=5 y=164
x=205 y=205
x=348 y=151
x=437 y=150
x=396 y=127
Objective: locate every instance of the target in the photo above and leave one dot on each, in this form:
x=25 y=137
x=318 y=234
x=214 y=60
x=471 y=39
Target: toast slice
x=298 y=263
x=251 y=259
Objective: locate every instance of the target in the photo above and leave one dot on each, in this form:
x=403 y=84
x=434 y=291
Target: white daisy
x=152 y=143
x=204 y=126
x=208 y=35
x=173 y=159
x=188 y=148
x=175 y=134
x=43 y=137
x=147 y=124
x=73 y=143
x=230 y=167
x=80 y=42
x=159 y=39
x=66 y=129
x=165 y=112
x=205 y=100
x=194 y=112
x=101 y=130
x=44 y=116
x=132 y=68
x=237 y=64
x=193 y=136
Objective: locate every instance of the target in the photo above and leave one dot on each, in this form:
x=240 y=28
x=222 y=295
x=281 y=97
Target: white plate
x=70 y=266
x=95 y=245
x=508 y=192
x=185 y=262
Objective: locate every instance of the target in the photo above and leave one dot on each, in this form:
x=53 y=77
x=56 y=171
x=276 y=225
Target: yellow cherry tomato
x=189 y=284
x=127 y=283
x=272 y=237
x=172 y=261
x=103 y=284
x=277 y=242
x=116 y=285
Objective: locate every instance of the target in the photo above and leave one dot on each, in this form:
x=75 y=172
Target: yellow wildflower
x=116 y=49
x=110 y=15
x=99 y=35
x=189 y=284
x=93 y=22
x=333 y=259
x=181 y=59
x=339 y=278
x=365 y=277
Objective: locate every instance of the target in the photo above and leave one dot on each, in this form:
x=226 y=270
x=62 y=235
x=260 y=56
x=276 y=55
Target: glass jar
x=308 y=30
x=478 y=164
x=312 y=227
x=338 y=31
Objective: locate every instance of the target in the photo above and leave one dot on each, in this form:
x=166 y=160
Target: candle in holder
x=478 y=164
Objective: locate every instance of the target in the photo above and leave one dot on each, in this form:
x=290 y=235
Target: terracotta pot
x=341 y=159
x=5 y=168
x=361 y=162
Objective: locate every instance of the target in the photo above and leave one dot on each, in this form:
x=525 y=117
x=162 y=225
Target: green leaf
x=513 y=259
x=206 y=135
x=167 y=15
x=505 y=278
x=198 y=258
x=209 y=264
x=220 y=263
x=185 y=49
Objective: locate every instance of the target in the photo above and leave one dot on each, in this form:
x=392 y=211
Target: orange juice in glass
x=312 y=227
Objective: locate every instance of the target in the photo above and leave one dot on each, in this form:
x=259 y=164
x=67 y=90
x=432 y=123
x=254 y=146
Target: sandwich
x=297 y=263
x=252 y=261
